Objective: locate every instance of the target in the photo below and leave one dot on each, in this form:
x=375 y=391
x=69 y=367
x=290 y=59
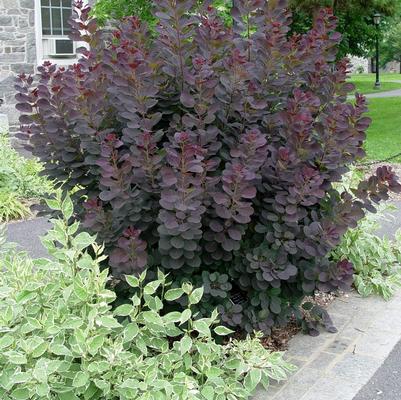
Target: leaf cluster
x=376 y=260
x=61 y=339
x=19 y=182
x=210 y=149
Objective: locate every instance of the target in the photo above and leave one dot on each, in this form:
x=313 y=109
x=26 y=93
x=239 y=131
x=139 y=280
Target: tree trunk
x=335 y=6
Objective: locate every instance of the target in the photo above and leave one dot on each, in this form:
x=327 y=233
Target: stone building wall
x=17 y=51
x=359 y=65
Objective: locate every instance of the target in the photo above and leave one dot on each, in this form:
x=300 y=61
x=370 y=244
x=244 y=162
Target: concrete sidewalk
x=337 y=366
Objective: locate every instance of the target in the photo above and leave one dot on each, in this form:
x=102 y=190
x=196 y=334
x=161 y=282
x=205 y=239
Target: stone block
x=13 y=11
x=298 y=385
x=5 y=20
x=322 y=362
x=31 y=48
x=13 y=115
x=303 y=346
x=10 y=4
x=331 y=387
x=27 y=4
x=340 y=320
x=269 y=394
x=3 y=123
x=23 y=22
x=31 y=18
x=19 y=42
x=6 y=81
x=377 y=344
x=9 y=58
x=356 y=367
x=339 y=345
x=7 y=36
x=26 y=68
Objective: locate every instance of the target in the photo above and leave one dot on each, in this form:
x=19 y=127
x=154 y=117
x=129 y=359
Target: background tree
x=355 y=21
x=392 y=46
x=105 y=10
x=355 y=17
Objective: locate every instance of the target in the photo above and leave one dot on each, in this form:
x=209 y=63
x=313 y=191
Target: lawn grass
x=384 y=135
x=372 y=77
x=365 y=82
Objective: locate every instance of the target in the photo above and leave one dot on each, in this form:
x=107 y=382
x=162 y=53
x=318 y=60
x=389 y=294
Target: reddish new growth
x=210 y=151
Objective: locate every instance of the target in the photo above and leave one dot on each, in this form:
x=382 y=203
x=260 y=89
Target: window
x=55 y=15
x=54 y=30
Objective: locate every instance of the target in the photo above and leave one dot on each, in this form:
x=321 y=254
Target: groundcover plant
x=210 y=152
x=60 y=338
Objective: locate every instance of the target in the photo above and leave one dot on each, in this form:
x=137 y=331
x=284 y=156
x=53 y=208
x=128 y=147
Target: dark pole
x=377 y=83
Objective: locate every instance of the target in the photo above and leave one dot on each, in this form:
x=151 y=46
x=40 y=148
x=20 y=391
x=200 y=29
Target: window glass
x=64 y=47
x=46 y=27
x=55 y=16
x=66 y=25
x=56 y=22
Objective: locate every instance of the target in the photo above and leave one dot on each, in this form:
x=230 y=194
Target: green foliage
x=377 y=261
x=11 y=207
x=383 y=138
x=20 y=175
x=355 y=17
x=106 y=10
x=355 y=20
x=20 y=182
x=61 y=339
x=391 y=48
x=350 y=180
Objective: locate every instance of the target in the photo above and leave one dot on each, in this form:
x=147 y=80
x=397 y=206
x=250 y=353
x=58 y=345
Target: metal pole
x=377 y=83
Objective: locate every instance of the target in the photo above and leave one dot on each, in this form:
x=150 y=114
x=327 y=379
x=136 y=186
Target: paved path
x=390 y=93
x=392 y=223
x=386 y=383
x=26 y=234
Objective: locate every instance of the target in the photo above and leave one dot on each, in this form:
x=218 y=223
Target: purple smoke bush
x=209 y=151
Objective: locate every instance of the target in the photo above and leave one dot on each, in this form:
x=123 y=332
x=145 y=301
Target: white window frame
x=40 y=38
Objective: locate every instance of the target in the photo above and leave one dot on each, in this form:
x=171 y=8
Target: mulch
x=279 y=339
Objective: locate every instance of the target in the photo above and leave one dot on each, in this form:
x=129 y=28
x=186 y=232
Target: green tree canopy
x=355 y=17
x=392 y=45
x=355 y=20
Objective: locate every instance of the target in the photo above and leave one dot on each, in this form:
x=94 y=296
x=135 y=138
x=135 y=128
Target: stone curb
x=337 y=366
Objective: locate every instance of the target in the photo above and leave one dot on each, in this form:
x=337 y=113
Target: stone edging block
x=337 y=366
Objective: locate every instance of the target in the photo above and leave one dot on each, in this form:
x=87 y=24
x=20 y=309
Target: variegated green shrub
x=61 y=339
